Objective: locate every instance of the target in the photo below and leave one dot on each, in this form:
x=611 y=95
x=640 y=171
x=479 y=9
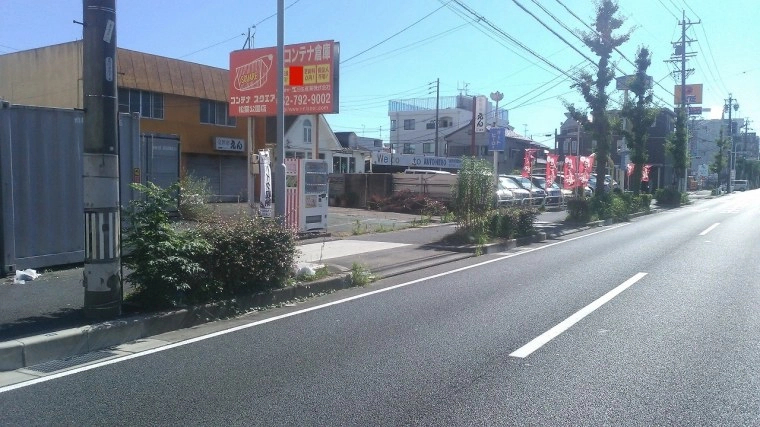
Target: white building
x=703 y=137
x=413 y=122
x=301 y=134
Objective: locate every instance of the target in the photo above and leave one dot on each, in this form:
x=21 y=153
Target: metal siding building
x=41 y=185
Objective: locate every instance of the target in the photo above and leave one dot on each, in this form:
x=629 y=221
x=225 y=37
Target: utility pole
x=100 y=173
x=437 y=84
x=731 y=104
x=496 y=96
x=678 y=60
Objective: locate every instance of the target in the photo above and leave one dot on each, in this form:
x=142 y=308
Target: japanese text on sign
x=253 y=82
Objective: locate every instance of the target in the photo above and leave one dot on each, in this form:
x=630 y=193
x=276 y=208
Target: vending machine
x=306 y=194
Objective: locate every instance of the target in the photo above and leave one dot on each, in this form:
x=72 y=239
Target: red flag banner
x=569 y=181
x=551 y=169
x=530 y=155
x=629 y=169
x=645 y=173
x=585 y=165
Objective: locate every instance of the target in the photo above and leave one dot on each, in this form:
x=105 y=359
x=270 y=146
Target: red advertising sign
x=253 y=82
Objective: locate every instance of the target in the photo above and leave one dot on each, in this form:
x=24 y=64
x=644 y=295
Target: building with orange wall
x=172 y=96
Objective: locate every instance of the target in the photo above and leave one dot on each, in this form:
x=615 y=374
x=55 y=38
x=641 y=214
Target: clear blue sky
x=442 y=41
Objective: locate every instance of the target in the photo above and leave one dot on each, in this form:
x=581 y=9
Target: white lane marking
x=561 y=327
x=709 y=229
x=286 y=315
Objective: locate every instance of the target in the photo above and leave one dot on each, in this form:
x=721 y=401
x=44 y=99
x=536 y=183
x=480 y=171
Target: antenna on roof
x=249 y=40
x=462 y=88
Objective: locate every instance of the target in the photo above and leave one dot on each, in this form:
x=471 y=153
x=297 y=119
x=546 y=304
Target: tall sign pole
x=496 y=96
x=279 y=175
x=102 y=260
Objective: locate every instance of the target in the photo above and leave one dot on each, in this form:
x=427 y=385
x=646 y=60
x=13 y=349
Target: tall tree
x=641 y=116
x=720 y=160
x=675 y=145
x=602 y=42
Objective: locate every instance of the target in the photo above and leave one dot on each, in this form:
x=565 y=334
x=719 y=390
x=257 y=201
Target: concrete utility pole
x=496 y=96
x=731 y=104
x=679 y=61
x=437 y=99
x=102 y=251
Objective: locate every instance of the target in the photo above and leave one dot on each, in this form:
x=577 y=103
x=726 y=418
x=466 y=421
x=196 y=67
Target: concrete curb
x=30 y=351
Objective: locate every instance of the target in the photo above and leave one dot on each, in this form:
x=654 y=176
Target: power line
x=235 y=37
x=402 y=49
x=392 y=36
x=483 y=21
x=552 y=31
x=669 y=11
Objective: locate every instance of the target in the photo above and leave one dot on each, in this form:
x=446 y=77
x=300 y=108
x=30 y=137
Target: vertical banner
x=645 y=173
x=569 y=172
x=585 y=168
x=530 y=155
x=265 y=195
x=480 y=114
x=629 y=169
x=551 y=169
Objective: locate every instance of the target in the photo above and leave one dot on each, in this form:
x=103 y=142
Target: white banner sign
x=229 y=144
x=480 y=114
x=410 y=160
x=265 y=195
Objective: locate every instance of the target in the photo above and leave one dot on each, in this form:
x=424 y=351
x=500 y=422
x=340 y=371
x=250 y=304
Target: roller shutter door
x=201 y=166
x=226 y=175
x=233 y=179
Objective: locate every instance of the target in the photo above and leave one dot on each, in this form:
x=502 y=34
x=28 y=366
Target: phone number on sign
x=313 y=99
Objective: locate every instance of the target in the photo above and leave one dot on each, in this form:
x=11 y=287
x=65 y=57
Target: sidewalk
x=42 y=320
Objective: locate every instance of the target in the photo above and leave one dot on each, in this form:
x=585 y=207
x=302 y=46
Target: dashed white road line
x=561 y=327
x=709 y=229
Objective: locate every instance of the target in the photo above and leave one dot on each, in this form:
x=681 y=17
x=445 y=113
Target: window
x=408 y=124
x=393 y=124
x=378 y=143
x=307 y=131
x=430 y=125
x=216 y=113
x=427 y=148
x=149 y=104
x=344 y=164
x=408 y=149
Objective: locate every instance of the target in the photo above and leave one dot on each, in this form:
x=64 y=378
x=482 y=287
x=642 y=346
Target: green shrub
x=508 y=223
x=194 y=194
x=578 y=209
x=473 y=195
x=669 y=196
x=164 y=261
x=248 y=254
x=645 y=200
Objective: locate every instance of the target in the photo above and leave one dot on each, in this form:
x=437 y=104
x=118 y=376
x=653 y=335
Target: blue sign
x=497 y=139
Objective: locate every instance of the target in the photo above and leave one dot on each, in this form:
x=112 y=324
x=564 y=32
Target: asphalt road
x=653 y=322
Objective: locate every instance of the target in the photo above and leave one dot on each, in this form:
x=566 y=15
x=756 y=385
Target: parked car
x=554 y=196
x=537 y=195
x=569 y=193
x=519 y=195
x=609 y=183
x=739 y=184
